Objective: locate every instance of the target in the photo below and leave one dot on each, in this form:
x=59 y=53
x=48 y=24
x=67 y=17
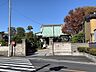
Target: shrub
x=92 y=51
x=78 y=38
x=83 y=49
x=3 y=43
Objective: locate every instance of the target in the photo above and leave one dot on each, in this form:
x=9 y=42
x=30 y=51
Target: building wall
x=61 y=48
x=4 y=50
x=87 y=31
x=93 y=27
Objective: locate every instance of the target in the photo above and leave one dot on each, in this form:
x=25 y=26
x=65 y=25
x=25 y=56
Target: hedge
x=83 y=49
x=91 y=51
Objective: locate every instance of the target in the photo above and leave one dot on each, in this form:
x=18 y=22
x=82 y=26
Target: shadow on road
x=57 y=68
x=52 y=68
x=42 y=67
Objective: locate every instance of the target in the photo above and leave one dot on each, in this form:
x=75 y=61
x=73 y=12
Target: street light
x=9 y=27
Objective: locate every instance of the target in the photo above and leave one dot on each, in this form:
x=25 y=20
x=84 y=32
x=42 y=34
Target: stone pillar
x=51 y=46
x=50 y=41
x=23 y=47
x=9 y=50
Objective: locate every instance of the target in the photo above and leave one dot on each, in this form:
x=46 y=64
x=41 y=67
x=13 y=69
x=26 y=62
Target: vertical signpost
x=9 y=26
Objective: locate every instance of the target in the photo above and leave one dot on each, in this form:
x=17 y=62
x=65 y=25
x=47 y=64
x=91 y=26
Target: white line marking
x=73 y=70
x=7 y=70
x=18 y=65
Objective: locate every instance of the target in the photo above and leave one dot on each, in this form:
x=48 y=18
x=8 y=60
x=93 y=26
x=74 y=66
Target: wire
x=15 y=10
x=21 y=13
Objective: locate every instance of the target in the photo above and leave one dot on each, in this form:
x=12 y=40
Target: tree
x=31 y=41
x=78 y=38
x=74 y=20
x=29 y=35
x=20 y=32
x=13 y=31
x=29 y=28
x=3 y=39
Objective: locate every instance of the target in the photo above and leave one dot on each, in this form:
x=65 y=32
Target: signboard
x=13 y=43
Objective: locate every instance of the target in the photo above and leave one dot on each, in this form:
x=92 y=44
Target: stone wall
x=18 y=50
x=61 y=48
x=3 y=50
x=74 y=46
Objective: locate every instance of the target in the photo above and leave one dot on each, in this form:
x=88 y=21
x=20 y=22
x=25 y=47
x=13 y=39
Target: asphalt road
x=44 y=64
x=70 y=58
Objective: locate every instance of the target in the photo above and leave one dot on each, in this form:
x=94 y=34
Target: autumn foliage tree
x=75 y=18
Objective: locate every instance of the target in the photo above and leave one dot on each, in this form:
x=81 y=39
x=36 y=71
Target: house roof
x=53 y=30
x=91 y=16
x=47 y=25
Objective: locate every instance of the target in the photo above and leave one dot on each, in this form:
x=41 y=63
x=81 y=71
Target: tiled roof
x=51 y=30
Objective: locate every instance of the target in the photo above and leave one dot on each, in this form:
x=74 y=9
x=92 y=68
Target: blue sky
x=38 y=12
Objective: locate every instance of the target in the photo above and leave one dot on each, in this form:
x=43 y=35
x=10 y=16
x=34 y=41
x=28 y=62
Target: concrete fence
x=3 y=50
x=18 y=50
x=61 y=48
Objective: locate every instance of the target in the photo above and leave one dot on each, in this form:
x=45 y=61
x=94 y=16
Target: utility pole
x=9 y=27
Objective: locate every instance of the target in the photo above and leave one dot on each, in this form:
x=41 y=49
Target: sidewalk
x=42 y=52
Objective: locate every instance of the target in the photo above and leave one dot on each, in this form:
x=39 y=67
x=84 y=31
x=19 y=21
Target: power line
x=34 y=21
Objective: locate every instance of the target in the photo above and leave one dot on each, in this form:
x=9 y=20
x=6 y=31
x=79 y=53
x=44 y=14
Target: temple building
x=52 y=31
x=90 y=28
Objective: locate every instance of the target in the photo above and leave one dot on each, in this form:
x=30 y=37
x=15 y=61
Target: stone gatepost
x=20 y=49
x=24 y=47
x=51 y=50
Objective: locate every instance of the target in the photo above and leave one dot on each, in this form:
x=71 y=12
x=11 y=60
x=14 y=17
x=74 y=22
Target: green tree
x=21 y=32
x=13 y=32
x=3 y=39
x=29 y=28
x=78 y=38
x=29 y=35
